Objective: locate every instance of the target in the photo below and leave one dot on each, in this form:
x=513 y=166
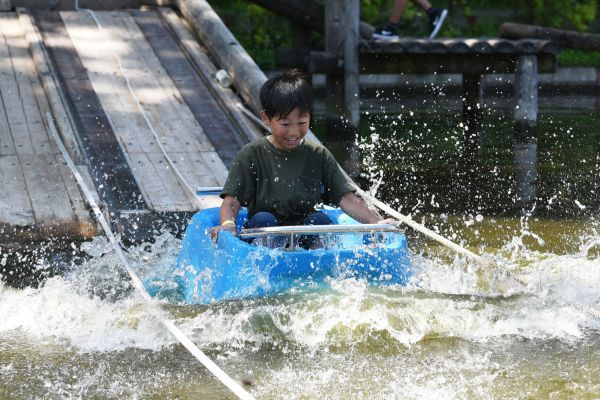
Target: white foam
x=94 y=310
x=58 y=312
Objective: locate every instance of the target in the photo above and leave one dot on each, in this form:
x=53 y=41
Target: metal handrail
x=205 y=190
x=317 y=229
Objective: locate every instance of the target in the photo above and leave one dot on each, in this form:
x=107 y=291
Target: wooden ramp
x=39 y=198
x=149 y=118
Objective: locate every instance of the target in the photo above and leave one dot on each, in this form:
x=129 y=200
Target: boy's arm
x=227 y=216
x=356 y=207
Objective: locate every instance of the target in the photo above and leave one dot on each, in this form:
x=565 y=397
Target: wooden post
x=472 y=114
x=351 y=86
x=472 y=118
x=524 y=123
x=334 y=37
x=341 y=38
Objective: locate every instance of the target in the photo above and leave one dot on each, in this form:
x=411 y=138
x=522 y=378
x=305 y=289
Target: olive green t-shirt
x=288 y=184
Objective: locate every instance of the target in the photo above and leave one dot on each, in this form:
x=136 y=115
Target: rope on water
x=488 y=263
x=137 y=283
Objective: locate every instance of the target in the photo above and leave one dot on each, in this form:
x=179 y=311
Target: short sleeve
x=241 y=181
x=336 y=183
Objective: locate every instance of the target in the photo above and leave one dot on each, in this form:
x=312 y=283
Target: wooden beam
x=472 y=118
x=226 y=50
x=351 y=17
x=452 y=63
x=307 y=13
x=570 y=39
x=334 y=37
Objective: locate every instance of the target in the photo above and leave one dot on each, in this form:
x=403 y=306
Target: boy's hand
x=389 y=221
x=214 y=231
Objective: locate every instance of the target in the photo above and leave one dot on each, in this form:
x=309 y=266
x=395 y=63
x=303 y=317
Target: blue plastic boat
x=234 y=268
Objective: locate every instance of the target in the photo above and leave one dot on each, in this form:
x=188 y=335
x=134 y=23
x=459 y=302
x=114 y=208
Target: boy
x=281 y=177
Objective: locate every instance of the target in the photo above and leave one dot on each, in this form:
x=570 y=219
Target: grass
x=578 y=58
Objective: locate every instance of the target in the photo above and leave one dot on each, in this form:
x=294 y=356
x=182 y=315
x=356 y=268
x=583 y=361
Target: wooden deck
x=39 y=196
x=133 y=83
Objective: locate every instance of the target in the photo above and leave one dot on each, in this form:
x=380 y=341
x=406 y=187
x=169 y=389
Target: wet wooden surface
x=39 y=196
x=135 y=97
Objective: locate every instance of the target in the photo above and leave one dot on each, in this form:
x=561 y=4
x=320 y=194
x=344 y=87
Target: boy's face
x=287 y=132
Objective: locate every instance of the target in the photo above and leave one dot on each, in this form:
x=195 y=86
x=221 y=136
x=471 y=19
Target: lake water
x=457 y=331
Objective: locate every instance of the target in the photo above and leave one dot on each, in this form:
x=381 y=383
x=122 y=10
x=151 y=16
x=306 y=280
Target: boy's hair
x=281 y=95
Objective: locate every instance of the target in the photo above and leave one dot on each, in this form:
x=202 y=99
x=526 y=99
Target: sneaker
x=387 y=32
x=436 y=20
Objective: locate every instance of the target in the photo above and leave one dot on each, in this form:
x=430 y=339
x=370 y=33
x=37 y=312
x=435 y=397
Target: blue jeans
x=265 y=219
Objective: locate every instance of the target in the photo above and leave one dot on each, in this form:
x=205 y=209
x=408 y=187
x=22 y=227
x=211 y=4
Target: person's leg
x=436 y=16
x=389 y=31
x=265 y=219
x=262 y=219
x=316 y=218
x=397 y=10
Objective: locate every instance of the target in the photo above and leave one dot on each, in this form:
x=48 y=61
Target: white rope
x=139 y=105
x=137 y=283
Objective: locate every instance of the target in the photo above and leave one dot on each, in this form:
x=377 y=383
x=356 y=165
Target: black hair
x=281 y=95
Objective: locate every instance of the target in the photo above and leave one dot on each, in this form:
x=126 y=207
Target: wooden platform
x=39 y=197
x=138 y=90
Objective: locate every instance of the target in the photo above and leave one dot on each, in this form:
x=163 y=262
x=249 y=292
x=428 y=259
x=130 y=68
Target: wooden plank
x=83 y=219
x=213 y=110
x=109 y=83
x=184 y=127
x=106 y=81
x=141 y=58
x=15 y=207
x=49 y=199
x=157 y=181
x=170 y=117
x=26 y=77
x=111 y=174
x=206 y=69
x=11 y=96
x=204 y=168
x=87 y=179
x=7 y=145
x=52 y=91
x=35 y=106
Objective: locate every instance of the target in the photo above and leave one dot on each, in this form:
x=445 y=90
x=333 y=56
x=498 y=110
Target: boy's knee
x=262 y=219
x=318 y=218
